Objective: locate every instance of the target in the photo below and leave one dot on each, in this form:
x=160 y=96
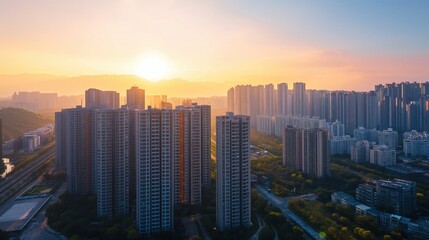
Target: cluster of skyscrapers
x=307 y=150
x=131 y=156
x=376 y=117
x=403 y=106
x=145 y=161
x=41 y=102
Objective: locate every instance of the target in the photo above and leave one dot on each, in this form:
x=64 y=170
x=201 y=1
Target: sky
x=330 y=44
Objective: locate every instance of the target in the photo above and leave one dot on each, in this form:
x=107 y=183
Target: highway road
x=282 y=205
x=32 y=166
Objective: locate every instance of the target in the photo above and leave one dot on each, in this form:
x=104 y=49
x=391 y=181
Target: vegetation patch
x=266 y=142
x=18 y=121
x=340 y=222
x=76 y=218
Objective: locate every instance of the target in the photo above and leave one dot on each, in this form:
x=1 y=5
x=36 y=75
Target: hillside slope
x=18 y=121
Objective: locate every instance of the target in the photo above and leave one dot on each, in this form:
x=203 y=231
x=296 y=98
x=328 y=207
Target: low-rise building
x=398 y=195
x=389 y=138
x=341 y=145
x=382 y=155
x=359 y=151
x=370 y=135
x=418 y=229
x=416 y=143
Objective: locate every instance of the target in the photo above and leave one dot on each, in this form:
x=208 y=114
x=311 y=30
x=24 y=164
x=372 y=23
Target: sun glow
x=153 y=67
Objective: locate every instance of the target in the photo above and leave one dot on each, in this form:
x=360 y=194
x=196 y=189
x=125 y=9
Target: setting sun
x=153 y=67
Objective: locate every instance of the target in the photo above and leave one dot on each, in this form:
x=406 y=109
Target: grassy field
x=266 y=142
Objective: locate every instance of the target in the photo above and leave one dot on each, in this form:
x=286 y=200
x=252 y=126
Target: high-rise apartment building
x=154 y=211
x=95 y=98
x=191 y=152
x=282 y=99
x=372 y=110
x=136 y=98
x=336 y=128
x=230 y=100
x=102 y=155
x=257 y=105
x=93 y=144
x=233 y=207
x=268 y=100
x=35 y=101
x=73 y=148
x=1 y=138
x=110 y=156
x=307 y=150
x=299 y=99
x=60 y=147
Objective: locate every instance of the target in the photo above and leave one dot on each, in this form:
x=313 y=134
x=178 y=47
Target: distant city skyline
x=74 y=86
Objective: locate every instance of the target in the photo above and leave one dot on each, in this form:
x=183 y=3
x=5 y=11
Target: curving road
x=282 y=205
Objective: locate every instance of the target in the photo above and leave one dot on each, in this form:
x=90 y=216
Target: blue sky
x=364 y=26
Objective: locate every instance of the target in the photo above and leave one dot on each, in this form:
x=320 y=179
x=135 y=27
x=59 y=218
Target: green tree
x=274 y=218
x=132 y=234
x=75 y=237
x=266 y=233
x=387 y=237
x=113 y=232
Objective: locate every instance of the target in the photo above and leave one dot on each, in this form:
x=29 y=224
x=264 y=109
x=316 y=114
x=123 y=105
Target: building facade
x=382 y=155
x=136 y=98
x=233 y=208
x=307 y=150
x=398 y=196
x=154 y=178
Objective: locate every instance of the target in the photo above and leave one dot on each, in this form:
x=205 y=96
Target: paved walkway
x=191 y=229
x=276 y=234
x=203 y=231
x=282 y=205
x=261 y=224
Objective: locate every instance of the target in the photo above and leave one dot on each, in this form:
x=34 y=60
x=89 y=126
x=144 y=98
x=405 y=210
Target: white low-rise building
x=30 y=143
x=359 y=151
x=416 y=143
x=389 y=138
x=341 y=145
x=382 y=155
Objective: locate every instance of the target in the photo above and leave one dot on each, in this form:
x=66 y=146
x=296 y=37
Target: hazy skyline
x=349 y=45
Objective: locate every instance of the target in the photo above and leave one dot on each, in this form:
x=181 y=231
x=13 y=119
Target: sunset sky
x=327 y=44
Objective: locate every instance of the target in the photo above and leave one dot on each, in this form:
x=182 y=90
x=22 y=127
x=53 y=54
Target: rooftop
x=21 y=212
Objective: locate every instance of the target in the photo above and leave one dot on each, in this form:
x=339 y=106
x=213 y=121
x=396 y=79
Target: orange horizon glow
x=201 y=42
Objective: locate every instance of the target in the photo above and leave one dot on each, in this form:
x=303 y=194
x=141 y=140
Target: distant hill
x=18 y=121
x=120 y=83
